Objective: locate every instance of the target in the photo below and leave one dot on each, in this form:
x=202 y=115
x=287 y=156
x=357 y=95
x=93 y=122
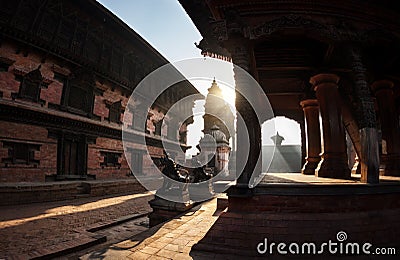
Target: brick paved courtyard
x=170 y=240
x=38 y=229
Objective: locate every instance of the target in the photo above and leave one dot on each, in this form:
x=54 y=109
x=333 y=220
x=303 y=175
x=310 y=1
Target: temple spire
x=277 y=139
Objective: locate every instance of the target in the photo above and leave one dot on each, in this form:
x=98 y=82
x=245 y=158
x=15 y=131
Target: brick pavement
x=171 y=240
x=38 y=229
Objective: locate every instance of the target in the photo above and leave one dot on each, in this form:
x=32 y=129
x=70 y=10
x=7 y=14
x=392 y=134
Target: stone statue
x=172 y=171
x=199 y=174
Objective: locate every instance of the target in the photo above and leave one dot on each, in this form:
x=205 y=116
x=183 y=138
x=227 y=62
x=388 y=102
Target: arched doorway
x=281 y=140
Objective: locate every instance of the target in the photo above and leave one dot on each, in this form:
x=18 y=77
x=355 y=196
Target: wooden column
x=313 y=136
x=390 y=159
x=368 y=154
x=240 y=52
x=334 y=156
x=252 y=128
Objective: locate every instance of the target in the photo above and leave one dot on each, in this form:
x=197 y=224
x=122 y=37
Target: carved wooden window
x=30 y=85
x=21 y=153
x=158 y=126
x=111 y=159
x=137 y=162
x=114 y=114
x=78 y=96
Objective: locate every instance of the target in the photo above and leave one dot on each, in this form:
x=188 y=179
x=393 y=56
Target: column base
x=164 y=210
x=310 y=166
x=201 y=191
x=333 y=167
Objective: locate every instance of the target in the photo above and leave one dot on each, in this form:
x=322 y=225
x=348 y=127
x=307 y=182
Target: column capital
x=324 y=78
x=309 y=102
x=381 y=84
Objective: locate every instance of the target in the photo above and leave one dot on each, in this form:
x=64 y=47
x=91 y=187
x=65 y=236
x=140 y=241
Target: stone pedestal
x=164 y=209
x=201 y=191
x=390 y=162
x=334 y=157
x=296 y=212
x=313 y=136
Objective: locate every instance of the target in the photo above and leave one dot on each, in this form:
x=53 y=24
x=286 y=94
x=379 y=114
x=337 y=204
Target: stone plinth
x=201 y=191
x=304 y=213
x=163 y=209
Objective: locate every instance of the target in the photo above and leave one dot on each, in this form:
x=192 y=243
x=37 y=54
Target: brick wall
x=373 y=218
x=22 y=133
x=24 y=61
x=109 y=96
x=95 y=159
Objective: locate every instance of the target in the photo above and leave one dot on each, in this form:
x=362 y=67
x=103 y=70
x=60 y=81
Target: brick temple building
x=67 y=70
x=334 y=69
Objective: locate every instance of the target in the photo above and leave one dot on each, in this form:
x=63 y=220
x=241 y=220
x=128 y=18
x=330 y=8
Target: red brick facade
x=25 y=133
x=61 y=112
x=32 y=135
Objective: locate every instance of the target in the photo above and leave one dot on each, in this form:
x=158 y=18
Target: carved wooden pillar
x=334 y=156
x=369 y=154
x=313 y=136
x=240 y=57
x=353 y=132
x=390 y=159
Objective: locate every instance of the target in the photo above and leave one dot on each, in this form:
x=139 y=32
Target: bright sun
x=228 y=92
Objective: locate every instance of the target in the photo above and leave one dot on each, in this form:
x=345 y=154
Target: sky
x=162 y=23
x=167 y=27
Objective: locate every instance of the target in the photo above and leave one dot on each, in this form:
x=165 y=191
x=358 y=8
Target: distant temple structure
x=215 y=150
x=218 y=127
x=218 y=112
x=277 y=139
x=285 y=158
